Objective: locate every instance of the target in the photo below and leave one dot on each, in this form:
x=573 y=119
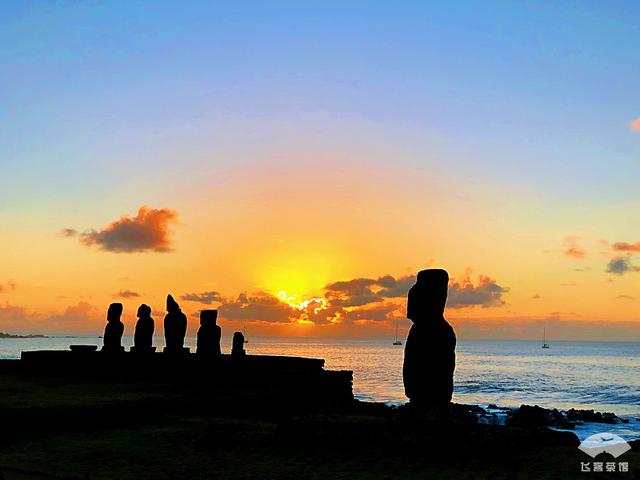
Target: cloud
x=376 y=313
x=626 y=247
x=260 y=306
x=621 y=265
x=206 y=298
x=68 y=232
x=9 y=287
x=127 y=294
x=362 y=291
x=147 y=231
x=634 y=125
x=536 y=296
x=392 y=287
x=486 y=293
x=351 y=293
x=572 y=249
x=77 y=316
x=625 y=297
x=13 y=313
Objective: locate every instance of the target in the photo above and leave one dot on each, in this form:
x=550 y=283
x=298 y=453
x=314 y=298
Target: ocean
x=604 y=376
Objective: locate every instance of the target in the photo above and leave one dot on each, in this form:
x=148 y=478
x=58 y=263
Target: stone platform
x=277 y=377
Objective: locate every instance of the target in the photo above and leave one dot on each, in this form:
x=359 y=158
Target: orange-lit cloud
x=634 y=125
x=626 y=247
x=356 y=300
x=261 y=306
x=147 y=231
x=572 y=249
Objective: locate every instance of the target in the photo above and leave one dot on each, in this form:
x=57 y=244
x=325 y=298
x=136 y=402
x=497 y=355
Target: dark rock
x=592 y=416
x=209 y=334
x=429 y=355
x=114 y=329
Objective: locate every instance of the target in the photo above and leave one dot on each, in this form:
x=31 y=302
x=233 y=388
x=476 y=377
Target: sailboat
x=396 y=341
x=244 y=333
x=544 y=339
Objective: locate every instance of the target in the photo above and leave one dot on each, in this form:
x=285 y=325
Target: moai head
x=208 y=317
x=172 y=305
x=144 y=311
x=428 y=297
x=114 y=312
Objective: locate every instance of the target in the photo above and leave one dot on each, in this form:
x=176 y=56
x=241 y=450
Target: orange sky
x=281 y=231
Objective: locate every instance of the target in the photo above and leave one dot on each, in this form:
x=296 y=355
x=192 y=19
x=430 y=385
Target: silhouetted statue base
x=176 y=351
x=106 y=349
x=142 y=350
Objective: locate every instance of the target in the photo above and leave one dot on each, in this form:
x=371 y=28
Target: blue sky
x=524 y=92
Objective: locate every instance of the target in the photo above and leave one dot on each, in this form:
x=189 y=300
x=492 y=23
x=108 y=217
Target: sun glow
x=312 y=305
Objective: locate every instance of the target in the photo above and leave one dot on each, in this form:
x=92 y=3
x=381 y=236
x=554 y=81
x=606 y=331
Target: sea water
x=603 y=376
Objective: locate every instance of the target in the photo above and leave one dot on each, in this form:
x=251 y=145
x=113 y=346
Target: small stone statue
x=143 y=337
x=209 y=334
x=237 y=346
x=175 y=327
x=114 y=329
x=429 y=354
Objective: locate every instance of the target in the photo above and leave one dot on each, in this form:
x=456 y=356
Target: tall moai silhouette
x=429 y=354
x=143 y=337
x=209 y=334
x=175 y=327
x=237 y=345
x=114 y=329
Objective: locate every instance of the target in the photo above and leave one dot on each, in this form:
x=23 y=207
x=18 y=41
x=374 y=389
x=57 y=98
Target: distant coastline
x=9 y=335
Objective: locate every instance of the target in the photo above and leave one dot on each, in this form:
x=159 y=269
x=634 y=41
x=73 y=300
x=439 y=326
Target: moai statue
x=429 y=354
x=114 y=329
x=143 y=337
x=237 y=346
x=175 y=328
x=209 y=334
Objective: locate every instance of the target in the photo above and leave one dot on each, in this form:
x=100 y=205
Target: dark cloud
x=127 y=294
x=351 y=293
x=260 y=306
x=68 y=232
x=376 y=313
x=572 y=249
x=147 y=231
x=362 y=291
x=206 y=298
x=621 y=265
x=395 y=287
x=536 y=296
x=487 y=293
x=626 y=247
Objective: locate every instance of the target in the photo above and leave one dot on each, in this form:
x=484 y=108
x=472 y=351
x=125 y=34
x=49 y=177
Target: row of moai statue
x=175 y=329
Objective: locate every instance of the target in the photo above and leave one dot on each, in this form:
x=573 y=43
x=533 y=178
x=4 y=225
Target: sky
x=294 y=164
